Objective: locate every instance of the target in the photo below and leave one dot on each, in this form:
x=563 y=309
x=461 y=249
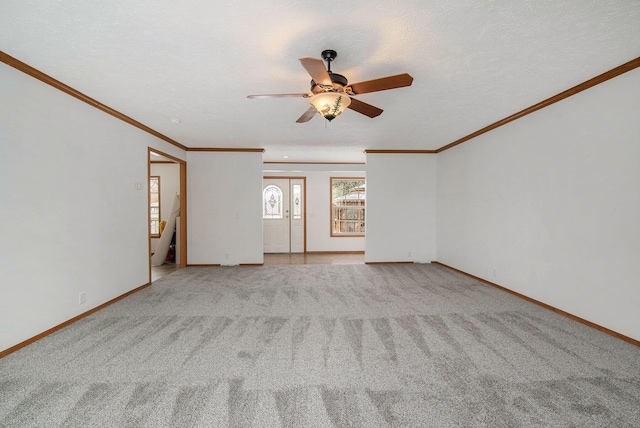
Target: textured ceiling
x=474 y=62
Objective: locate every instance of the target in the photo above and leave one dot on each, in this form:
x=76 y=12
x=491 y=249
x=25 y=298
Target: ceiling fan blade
x=382 y=84
x=364 y=108
x=300 y=95
x=316 y=69
x=307 y=115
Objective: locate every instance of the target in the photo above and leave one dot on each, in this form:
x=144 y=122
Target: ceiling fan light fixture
x=331 y=93
x=330 y=104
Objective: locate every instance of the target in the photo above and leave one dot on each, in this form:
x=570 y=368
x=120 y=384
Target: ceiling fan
x=331 y=93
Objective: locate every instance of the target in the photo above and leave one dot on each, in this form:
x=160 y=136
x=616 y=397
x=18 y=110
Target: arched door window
x=272 y=202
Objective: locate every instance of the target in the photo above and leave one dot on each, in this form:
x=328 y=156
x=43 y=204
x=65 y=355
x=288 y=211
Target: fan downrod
x=329 y=55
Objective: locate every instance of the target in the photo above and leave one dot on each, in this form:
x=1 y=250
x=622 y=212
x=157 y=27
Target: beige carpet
x=322 y=346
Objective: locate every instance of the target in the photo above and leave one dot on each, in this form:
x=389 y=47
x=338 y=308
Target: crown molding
x=222 y=149
x=313 y=163
x=412 y=152
x=27 y=69
x=628 y=66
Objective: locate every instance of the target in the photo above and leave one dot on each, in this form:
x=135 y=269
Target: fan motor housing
x=337 y=80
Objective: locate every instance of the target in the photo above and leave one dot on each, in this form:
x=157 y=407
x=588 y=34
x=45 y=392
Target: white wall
x=552 y=203
x=319 y=206
x=224 y=208
x=71 y=218
x=169 y=174
x=401 y=208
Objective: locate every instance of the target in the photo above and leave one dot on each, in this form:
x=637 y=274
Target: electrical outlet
x=82 y=297
x=494 y=273
x=226 y=256
x=409 y=254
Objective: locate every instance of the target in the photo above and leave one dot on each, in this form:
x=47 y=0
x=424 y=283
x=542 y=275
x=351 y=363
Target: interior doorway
x=170 y=174
x=284 y=214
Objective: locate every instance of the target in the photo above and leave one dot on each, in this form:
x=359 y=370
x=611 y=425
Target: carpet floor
x=322 y=346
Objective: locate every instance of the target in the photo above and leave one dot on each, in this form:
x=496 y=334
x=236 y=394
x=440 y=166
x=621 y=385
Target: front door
x=283 y=215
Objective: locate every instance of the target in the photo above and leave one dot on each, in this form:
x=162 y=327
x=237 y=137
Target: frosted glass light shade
x=330 y=104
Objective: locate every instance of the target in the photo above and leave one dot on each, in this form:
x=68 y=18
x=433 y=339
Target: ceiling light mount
x=329 y=55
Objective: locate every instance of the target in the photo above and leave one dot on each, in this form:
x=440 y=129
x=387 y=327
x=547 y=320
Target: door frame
x=304 y=189
x=183 y=205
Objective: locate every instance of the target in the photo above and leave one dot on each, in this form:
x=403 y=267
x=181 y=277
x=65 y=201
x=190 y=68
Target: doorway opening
x=167 y=199
x=284 y=214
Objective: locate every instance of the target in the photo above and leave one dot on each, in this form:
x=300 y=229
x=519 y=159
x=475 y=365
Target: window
x=297 y=210
x=272 y=202
x=154 y=209
x=347 y=206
